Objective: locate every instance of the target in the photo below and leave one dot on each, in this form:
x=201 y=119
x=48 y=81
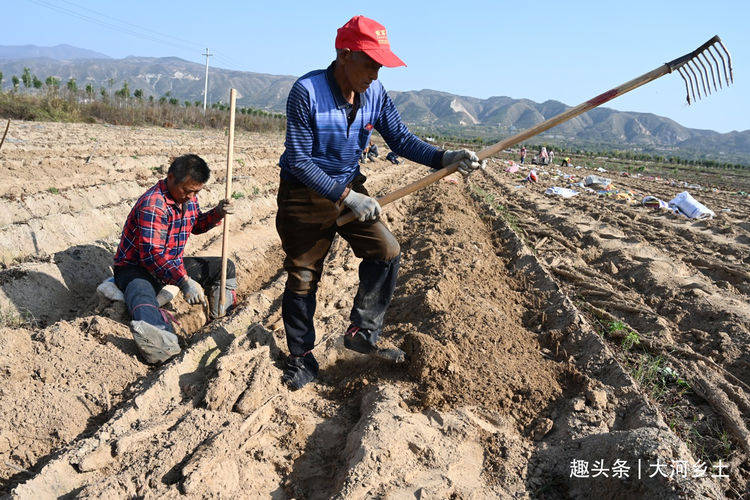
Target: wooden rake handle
x=538 y=129
x=227 y=195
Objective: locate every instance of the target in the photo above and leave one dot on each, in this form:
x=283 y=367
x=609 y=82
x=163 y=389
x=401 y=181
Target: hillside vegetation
x=121 y=110
x=429 y=111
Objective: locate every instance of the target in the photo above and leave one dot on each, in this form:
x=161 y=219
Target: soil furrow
x=539 y=333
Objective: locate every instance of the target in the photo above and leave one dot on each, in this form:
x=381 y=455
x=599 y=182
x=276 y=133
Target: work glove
x=469 y=160
x=225 y=207
x=363 y=206
x=193 y=291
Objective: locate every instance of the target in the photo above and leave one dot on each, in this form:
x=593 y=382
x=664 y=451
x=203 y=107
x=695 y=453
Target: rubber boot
x=299 y=371
x=155 y=344
x=230 y=296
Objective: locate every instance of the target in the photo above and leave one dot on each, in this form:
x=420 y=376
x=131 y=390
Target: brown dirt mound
x=475 y=349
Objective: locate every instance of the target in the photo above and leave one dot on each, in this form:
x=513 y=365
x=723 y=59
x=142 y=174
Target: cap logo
x=382 y=37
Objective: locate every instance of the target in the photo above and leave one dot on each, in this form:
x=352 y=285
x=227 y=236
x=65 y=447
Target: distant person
x=543 y=158
x=523 y=154
x=551 y=157
x=565 y=162
x=372 y=151
x=331 y=114
x=393 y=158
x=150 y=256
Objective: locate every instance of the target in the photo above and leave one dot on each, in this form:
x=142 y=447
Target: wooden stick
x=7 y=126
x=522 y=136
x=227 y=195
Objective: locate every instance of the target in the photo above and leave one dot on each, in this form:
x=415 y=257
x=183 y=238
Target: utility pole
x=205 y=87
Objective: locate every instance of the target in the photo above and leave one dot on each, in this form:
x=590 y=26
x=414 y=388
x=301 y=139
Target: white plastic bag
x=691 y=207
x=596 y=182
x=561 y=191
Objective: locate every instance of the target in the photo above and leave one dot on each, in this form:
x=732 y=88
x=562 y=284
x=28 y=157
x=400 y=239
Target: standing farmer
x=330 y=116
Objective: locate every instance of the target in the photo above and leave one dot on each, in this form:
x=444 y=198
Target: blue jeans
x=140 y=287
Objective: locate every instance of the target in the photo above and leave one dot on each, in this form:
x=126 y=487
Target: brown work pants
x=306 y=223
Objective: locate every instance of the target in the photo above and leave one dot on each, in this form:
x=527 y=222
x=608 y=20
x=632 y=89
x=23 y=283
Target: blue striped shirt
x=323 y=150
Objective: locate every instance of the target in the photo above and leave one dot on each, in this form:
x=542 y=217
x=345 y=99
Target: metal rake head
x=691 y=66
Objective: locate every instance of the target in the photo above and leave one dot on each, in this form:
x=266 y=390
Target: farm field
x=557 y=348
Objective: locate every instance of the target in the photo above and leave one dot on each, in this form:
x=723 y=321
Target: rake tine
x=729 y=60
x=712 y=73
x=698 y=71
x=695 y=77
x=718 y=71
x=692 y=84
x=705 y=91
x=723 y=64
x=687 y=88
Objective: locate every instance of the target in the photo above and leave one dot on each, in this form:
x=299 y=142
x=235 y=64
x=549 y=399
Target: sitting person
x=372 y=151
x=150 y=256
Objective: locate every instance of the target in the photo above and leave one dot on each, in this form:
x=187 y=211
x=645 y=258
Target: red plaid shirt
x=157 y=230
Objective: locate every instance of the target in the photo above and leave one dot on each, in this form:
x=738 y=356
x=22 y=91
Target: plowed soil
x=540 y=333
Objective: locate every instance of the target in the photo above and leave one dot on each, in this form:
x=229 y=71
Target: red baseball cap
x=364 y=34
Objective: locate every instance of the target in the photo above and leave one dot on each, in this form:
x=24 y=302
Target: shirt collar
x=165 y=192
x=338 y=96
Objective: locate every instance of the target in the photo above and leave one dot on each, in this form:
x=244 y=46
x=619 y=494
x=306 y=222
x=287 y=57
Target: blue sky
x=565 y=50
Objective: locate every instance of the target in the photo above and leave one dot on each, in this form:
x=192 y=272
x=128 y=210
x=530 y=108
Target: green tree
x=162 y=99
x=52 y=82
x=197 y=104
x=89 y=90
x=151 y=99
x=138 y=94
x=36 y=82
x=103 y=93
x=1 y=81
x=173 y=101
x=187 y=104
x=72 y=86
x=124 y=92
x=26 y=77
x=15 y=82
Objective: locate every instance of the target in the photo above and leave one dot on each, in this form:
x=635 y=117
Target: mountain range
x=429 y=111
x=62 y=52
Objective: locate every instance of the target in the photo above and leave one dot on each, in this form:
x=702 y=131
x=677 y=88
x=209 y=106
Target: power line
x=141 y=32
x=164 y=35
x=63 y=10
